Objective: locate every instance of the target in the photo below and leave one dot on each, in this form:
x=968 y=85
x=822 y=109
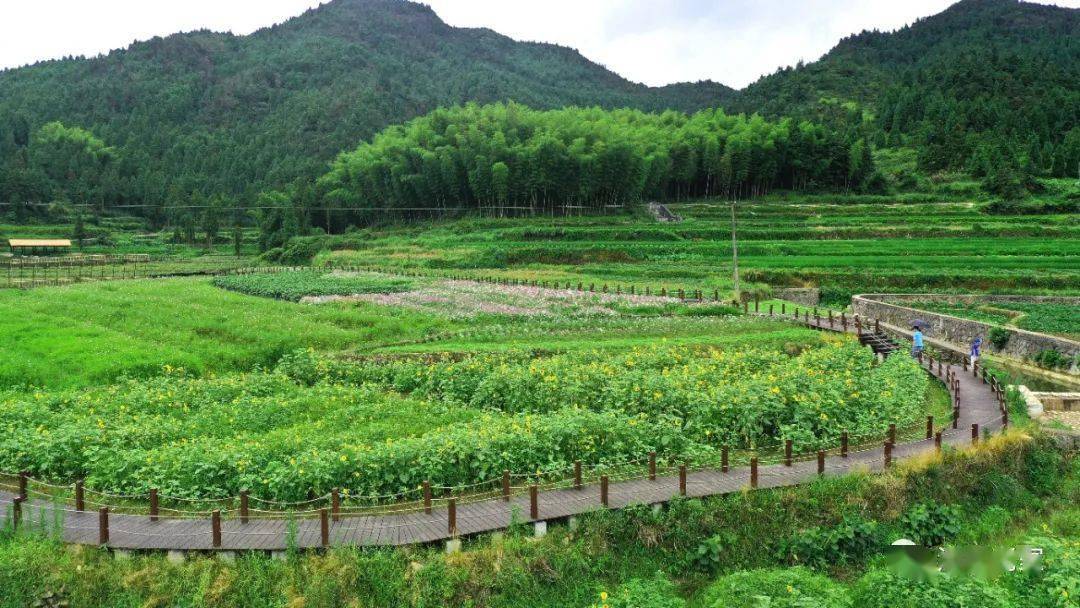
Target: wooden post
x=783 y=308
x=821 y=462
x=844 y=444
x=843 y=320
x=244 y=507
x=506 y=485
x=652 y=466
x=682 y=480
x=153 y=504
x=770 y=310
x=534 y=502
x=80 y=497
x=427 y=497
x=975 y=432
x=753 y=473
x=888 y=454
x=451 y=516
x=787 y=452
x=757 y=304
x=16 y=511
x=577 y=474
x=215 y=527
x=929 y=427
x=937 y=441
x=24 y=479
x=724 y=459
x=892 y=433
x=877 y=326
x=103 y=526
x=324 y=529
x=1005 y=419
x=745 y=307
x=604 y=490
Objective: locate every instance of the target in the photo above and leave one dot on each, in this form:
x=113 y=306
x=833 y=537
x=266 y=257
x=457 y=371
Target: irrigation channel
x=82 y=516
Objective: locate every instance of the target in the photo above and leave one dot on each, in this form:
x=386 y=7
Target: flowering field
x=383 y=426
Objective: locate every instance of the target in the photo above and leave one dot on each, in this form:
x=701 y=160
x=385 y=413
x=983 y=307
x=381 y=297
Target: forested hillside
x=177 y=128
x=231 y=116
x=984 y=82
x=513 y=159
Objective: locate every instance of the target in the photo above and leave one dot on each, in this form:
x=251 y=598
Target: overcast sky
x=651 y=41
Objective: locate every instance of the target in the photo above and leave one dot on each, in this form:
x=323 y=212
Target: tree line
x=510 y=158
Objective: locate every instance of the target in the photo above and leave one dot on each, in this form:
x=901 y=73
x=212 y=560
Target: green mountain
x=987 y=86
x=982 y=75
x=238 y=114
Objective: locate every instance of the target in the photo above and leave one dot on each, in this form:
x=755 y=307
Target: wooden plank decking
x=979 y=406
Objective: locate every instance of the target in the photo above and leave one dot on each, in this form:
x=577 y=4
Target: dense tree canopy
x=961 y=86
x=991 y=87
x=511 y=158
x=237 y=115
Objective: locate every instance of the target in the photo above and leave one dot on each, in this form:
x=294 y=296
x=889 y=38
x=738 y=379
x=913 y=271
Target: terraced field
x=843 y=248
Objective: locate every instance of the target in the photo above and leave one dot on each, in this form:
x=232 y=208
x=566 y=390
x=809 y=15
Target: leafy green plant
x=930 y=524
x=709 y=554
x=655 y=592
x=296 y=284
x=999 y=337
x=854 y=538
x=775 y=588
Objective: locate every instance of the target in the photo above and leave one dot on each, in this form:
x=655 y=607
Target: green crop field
x=160 y=379
x=841 y=247
x=1048 y=318
x=98 y=332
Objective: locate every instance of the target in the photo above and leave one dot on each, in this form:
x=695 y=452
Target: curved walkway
x=979 y=405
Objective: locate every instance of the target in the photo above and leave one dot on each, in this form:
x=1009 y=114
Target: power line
x=316 y=208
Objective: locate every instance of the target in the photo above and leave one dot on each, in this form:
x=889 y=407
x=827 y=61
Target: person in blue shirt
x=976 y=348
x=916 y=342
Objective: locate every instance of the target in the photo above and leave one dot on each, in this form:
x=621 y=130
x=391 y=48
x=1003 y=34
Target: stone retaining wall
x=807 y=296
x=1022 y=344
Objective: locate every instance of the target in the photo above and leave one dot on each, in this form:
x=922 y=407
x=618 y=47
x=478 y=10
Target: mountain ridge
x=217 y=113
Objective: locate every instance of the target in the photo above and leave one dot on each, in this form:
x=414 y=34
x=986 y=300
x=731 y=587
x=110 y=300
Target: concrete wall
x=978 y=298
x=960 y=332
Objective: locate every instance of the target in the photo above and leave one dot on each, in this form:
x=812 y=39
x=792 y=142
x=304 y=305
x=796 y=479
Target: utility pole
x=735 y=252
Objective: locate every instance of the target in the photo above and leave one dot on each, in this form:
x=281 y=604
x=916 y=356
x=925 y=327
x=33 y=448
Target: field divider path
x=980 y=405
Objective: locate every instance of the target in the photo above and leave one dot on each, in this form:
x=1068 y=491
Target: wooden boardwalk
x=979 y=405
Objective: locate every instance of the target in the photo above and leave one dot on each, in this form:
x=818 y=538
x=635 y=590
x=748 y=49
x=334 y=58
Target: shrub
x=656 y=592
x=930 y=524
x=780 y=588
x=1052 y=359
x=885 y=589
x=999 y=337
x=854 y=538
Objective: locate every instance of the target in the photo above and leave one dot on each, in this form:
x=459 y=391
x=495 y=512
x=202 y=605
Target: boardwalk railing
x=22 y=272
x=342 y=505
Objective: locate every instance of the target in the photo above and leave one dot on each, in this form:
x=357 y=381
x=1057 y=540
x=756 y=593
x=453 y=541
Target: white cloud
x=650 y=41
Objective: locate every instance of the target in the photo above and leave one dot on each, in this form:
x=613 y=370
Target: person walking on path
x=916 y=342
x=976 y=348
